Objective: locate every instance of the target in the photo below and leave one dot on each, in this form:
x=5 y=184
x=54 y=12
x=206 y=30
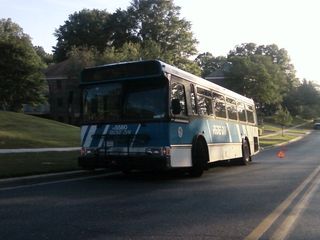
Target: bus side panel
x=224 y=139
x=253 y=133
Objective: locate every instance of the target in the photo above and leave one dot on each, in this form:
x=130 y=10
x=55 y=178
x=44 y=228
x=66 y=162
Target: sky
x=218 y=25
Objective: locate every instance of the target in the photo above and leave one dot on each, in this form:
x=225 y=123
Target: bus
x=151 y=115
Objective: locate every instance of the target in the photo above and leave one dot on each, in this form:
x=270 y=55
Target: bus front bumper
x=143 y=162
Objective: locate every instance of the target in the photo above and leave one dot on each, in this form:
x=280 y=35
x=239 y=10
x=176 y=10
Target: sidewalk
x=284 y=131
x=30 y=150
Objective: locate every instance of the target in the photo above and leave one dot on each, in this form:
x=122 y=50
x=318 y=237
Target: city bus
x=151 y=115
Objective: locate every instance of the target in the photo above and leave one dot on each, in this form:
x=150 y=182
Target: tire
x=246 y=158
x=199 y=159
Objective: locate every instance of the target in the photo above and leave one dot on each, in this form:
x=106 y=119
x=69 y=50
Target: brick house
x=64 y=93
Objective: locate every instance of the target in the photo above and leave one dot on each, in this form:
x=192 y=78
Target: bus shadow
x=168 y=175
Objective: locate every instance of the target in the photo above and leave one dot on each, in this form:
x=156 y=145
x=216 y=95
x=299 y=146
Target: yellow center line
x=285 y=228
x=272 y=217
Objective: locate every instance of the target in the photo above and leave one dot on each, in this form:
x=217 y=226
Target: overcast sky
x=219 y=25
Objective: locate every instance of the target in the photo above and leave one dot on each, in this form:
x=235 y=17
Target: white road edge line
x=272 y=217
x=44 y=175
x=58 y=181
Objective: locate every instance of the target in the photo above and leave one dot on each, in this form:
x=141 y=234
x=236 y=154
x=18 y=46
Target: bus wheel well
x=197 y=141
x=247 y=140
x=246 y=152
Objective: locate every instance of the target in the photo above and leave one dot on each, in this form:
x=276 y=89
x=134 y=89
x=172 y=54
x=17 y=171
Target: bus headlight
x=166 y=151
x=85 y=151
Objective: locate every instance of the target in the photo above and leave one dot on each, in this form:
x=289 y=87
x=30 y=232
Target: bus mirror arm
x=175 y=106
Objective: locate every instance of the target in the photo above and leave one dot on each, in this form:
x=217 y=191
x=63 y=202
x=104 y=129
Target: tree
x=45 y=57
x=256 y=77
x=159 y=21
x=122 y=25
x=282 y=117
x=278 y=56
x=152 y=27
x=304 y=100
x=21 y=78
x=86 y=28
x=208 y=63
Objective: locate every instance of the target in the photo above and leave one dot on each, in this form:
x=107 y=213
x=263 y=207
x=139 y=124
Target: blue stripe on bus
x=164 y=133
x=214 y=131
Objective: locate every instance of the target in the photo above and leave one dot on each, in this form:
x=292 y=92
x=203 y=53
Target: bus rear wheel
x=199 y=159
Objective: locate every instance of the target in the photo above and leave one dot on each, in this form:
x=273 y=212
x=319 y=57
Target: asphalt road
x=272 y=198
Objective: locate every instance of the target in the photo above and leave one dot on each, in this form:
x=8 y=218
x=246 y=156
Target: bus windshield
x=125 y=101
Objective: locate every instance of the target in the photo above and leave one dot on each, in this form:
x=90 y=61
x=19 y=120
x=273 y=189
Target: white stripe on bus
x=135 y=134
x=209 y=130
x=229 y=133
x=88 y=140
x=239 y=133
x=103 y=137
x=82 y=133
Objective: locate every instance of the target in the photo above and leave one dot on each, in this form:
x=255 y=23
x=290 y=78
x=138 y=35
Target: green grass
x=19 y=130
x=22 y=164
x=270 y=128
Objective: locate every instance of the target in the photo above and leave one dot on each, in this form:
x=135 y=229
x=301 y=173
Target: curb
x=33 y=150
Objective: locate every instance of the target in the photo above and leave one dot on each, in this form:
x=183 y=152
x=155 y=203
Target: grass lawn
x=19 y=130
x=22 y=164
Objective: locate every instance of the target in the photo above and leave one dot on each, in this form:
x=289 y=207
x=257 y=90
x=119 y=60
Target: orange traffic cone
x=281 y=154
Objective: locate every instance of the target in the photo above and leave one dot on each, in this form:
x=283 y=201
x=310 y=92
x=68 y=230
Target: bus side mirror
x=175 y=106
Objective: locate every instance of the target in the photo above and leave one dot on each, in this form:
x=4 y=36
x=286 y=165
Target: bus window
x=217 y=97
x=250 y=114
x=241 y=112
x=229 y=100
x=193 y=100
x=232 y=112
x=204 y=101
x=178 y=92
x=219 y=105
x=102 y=102
x=232 y=109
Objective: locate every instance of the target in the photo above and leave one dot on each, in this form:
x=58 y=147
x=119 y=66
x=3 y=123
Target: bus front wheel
x=199 y=158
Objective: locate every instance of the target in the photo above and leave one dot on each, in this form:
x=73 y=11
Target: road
x=272 y=198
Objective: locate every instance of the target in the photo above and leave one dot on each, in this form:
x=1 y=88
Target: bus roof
x=203 y=82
